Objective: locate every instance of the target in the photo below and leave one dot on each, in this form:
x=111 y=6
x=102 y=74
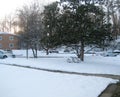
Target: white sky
x=9 y=6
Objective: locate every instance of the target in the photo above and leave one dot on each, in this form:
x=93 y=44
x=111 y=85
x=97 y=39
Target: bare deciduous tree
x=31 y=26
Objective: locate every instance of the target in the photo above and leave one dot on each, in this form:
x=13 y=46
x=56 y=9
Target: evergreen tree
x=82 y=24
x=79 y=23
x=49 y=20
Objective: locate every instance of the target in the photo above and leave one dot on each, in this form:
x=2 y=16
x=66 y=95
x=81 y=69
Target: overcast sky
x=9 y=6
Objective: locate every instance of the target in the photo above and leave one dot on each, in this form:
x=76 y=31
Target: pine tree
x=79 y=24
x=49 y=20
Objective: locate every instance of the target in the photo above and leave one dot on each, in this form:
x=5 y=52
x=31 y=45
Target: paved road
x=67 y=72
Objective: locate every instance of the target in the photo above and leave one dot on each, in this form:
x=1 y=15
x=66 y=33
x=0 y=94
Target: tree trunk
x=36 y=53
x=82 y=51
x=27 y=52
x=33 y=52
x=47 y=51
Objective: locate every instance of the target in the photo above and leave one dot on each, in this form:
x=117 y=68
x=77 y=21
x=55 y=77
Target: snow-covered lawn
x=92 y=64
x=22 y=82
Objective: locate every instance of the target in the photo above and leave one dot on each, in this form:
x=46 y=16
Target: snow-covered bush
x=73 y=60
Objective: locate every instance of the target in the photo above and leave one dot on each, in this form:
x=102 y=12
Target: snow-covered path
x=67 y=72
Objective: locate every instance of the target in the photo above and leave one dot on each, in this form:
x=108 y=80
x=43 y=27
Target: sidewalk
x=67 y=72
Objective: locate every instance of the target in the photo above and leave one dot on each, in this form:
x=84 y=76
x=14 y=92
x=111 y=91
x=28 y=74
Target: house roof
x=6 y=33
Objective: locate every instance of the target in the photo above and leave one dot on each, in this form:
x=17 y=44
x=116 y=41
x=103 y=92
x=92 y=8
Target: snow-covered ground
x=23 y=82
x=92 y=64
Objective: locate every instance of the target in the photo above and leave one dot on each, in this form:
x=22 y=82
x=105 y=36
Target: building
x=9 y=41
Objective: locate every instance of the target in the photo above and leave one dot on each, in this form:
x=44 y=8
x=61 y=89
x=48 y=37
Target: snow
x=21 y=82
x=24 y=82
x=118 y=40
x=92 y=64
x=6 y=33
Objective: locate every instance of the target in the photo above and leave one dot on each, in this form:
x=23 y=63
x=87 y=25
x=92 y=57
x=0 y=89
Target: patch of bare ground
x=117 y=91
x=113 y=90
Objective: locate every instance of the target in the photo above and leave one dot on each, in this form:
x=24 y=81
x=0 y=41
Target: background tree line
x=68 y=22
